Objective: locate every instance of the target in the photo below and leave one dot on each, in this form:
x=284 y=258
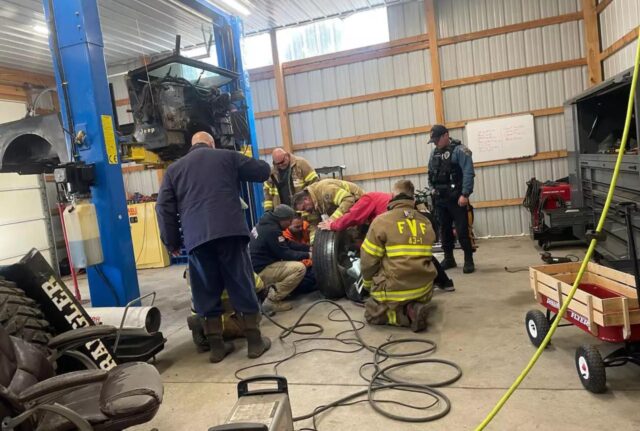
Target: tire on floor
x=329 y=252
x=21 y=316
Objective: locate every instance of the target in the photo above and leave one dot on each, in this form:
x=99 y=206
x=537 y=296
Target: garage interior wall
x=371 y=109
x=25 y=220
x=619 y=22
x=473 y=88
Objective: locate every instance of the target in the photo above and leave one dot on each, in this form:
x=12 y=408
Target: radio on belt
x=261 y=409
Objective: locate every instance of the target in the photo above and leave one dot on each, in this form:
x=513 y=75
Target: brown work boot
x=194 y=322
x=272 y=305
x=233 y=327
x=256 y=343
x=417 y=313
x=218 y=348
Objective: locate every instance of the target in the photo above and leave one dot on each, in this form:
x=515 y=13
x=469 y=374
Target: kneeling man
x=397 y=265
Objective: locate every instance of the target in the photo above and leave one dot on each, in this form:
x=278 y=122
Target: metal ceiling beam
x=218 y=16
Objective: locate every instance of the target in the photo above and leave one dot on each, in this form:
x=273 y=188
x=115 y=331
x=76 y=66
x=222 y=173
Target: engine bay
x=175 y=97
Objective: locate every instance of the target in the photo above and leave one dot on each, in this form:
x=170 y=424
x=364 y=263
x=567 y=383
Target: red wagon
x=605 y=305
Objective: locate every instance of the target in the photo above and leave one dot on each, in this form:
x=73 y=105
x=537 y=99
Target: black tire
x=328 y=248
x=591 y=369
x=537 y=326
x=21 y=317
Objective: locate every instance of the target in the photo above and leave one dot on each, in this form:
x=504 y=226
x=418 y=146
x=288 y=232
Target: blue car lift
x=75 y=40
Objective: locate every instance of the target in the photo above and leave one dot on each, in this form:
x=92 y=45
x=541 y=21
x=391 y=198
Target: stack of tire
x=21 y=316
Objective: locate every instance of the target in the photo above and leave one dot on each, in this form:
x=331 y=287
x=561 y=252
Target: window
x=195 y=75
x=256 y=51
x=200 y=53
x=332 y=35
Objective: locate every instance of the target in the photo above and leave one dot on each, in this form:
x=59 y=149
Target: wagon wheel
x=591 y=369
x=537 y=326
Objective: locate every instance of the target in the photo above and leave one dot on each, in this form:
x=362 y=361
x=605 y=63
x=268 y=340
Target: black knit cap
x=284 y=212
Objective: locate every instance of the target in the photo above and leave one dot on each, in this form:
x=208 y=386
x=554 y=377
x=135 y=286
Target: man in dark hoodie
x=277 y=260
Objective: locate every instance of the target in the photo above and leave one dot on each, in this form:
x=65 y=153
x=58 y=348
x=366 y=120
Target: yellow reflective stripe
x=337 y=214
x=409 y=253
x=391 y=317
x=312 y=176
x=373 y=246
x=340 y=194
x=267 y=204
x=224 y=295
x=367 y=284
x=345 y=185
x=408 y=250
x=401 y=295
x=298 y=184
x=312 y=236
x=372 y=249
x=415 y=247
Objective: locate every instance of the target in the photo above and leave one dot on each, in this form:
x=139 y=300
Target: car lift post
x=228 y=31
x=77 y=50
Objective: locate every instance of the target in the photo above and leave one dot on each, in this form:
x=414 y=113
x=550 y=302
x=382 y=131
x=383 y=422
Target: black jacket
x=203 y=188
x=268 y=245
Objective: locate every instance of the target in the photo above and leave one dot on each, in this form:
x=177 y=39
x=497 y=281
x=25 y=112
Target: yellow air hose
x=583 y=267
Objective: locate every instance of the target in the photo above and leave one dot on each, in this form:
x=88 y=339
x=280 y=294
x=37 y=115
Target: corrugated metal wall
x=514 y=50
x=265 y=99
x=550 y=44
x=617 y=19
x=465 y=16
x=145 y=182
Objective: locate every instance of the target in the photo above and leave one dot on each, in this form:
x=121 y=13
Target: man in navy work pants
x=451 y=176
x=201 y=192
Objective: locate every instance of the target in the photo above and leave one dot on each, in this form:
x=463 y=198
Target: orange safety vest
x=306 y=238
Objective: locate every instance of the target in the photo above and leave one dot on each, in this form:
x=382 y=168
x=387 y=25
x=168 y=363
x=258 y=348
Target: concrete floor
x=480 y=326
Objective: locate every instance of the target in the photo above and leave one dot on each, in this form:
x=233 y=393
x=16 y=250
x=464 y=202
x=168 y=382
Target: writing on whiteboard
x=492 y=139
x=501 y=138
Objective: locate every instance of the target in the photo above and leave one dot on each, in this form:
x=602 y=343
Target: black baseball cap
x=436 y=131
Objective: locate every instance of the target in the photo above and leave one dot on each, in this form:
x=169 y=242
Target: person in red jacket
x=368 y=207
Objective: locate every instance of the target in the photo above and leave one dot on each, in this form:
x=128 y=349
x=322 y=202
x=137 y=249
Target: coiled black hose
x=380 y=378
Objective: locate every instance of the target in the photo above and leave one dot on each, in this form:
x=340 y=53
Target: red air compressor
x=553 y=220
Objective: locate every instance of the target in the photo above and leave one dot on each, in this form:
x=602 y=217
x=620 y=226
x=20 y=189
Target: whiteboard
x=501 y=138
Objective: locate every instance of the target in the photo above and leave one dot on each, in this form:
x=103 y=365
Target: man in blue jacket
x=201 y=193
x=451 y=177
x=277 y=260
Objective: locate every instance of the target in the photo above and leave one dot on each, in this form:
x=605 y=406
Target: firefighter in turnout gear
x=329 y=198
x=289 y=175
x=451 y=177
x=396 y=263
